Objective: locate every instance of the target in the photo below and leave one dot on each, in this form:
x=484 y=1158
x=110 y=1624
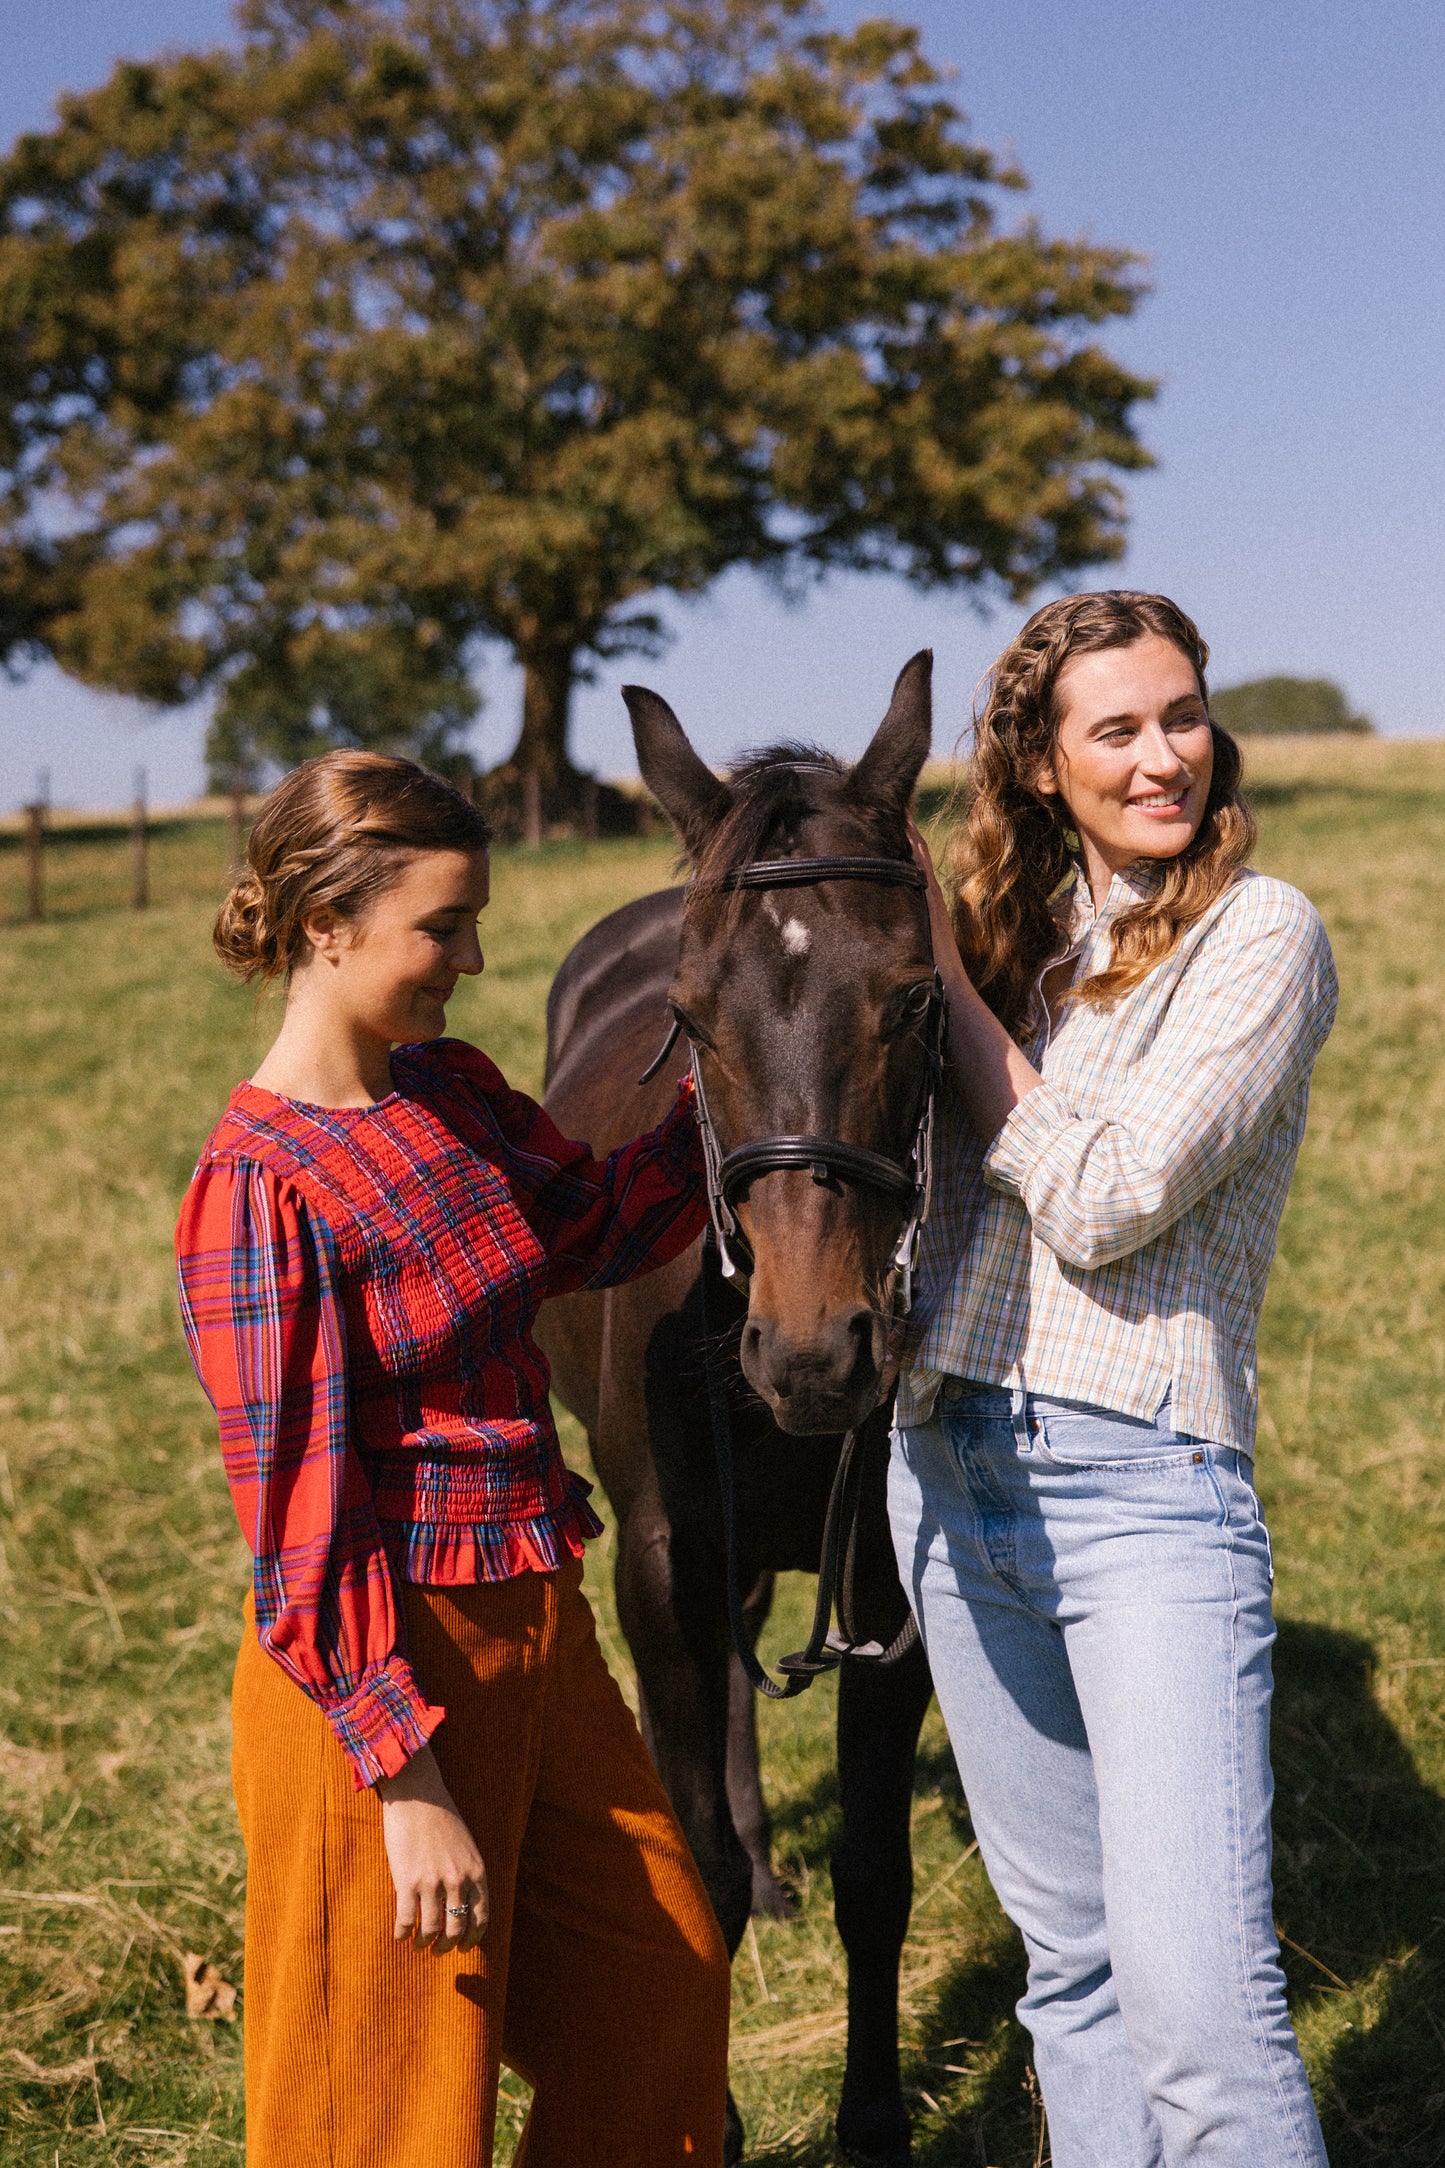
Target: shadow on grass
x=1266 y=797
x=806 y=1822
x=1360 y=1886
x=1360 y=1895
x=1277 y=795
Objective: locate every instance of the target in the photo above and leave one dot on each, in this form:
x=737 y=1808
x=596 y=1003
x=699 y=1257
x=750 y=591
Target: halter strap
x=828 y=1159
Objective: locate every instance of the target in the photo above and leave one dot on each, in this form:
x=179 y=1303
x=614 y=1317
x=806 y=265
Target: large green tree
x=412 y=324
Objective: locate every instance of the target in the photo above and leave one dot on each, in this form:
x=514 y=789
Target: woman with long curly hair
x=1133 y=1017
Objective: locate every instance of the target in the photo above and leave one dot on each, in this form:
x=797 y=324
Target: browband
x=804 y=872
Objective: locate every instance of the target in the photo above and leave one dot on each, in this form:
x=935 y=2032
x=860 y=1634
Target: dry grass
x=121 y=1569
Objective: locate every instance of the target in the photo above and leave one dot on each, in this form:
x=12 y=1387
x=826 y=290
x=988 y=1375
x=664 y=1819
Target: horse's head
x=808 y=1008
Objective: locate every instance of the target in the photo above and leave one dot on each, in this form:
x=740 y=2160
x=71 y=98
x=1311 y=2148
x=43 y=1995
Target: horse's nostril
x=752 y=1341
x=865 y=1329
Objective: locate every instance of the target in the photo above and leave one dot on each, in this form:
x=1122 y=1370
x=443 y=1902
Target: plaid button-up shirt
x=1113 y=1242
x=358 y=1289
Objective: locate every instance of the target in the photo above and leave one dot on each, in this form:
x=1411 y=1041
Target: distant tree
x=412 y=324
x=1274 y=706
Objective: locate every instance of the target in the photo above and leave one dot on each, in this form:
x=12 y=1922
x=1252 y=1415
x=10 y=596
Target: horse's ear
x=684 y=786
x=886 y=774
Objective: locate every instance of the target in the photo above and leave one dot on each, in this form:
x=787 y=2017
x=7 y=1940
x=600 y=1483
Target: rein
x=826 y=1646
x=829 y=1160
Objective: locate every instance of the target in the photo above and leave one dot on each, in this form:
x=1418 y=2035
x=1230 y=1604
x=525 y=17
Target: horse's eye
x=907 y=1010
x=690 y=1027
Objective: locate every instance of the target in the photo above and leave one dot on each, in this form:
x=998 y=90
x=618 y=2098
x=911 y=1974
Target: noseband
x=828 y=1159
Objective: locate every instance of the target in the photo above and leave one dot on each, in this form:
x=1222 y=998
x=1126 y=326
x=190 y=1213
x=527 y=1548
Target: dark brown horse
x=807 y=1008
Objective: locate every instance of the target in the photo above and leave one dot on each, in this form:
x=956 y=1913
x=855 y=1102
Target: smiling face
x=1133 y=755
x=390 y=973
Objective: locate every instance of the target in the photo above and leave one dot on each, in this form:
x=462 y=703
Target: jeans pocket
x=1100 y=1441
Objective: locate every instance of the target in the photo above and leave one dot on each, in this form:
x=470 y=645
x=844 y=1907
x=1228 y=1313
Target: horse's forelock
x=768 y=785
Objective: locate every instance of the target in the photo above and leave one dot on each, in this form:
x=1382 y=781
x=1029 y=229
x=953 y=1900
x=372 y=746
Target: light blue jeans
x=1094 y=1596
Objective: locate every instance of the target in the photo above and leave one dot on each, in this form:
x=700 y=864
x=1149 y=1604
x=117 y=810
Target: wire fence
x=61 y=865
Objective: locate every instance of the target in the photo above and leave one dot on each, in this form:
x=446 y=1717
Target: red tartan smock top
x=358 y=1289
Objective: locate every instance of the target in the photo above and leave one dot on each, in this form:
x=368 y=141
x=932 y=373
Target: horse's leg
x=670 y=1583
x=682 y=1670
x=674 y=1627
x=880 y=1713
x=745 y=1792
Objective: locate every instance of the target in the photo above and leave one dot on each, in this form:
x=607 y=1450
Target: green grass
x=122 y=1570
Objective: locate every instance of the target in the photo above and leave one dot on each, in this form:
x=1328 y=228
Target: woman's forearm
x=988 y=1069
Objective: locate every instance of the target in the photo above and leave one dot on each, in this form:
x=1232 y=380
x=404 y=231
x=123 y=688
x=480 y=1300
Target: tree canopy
x=1277 y=706
x=412 y=324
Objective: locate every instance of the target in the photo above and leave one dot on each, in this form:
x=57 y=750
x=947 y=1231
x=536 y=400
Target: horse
x=804 y=997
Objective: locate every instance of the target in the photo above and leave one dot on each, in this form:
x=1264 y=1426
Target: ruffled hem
x=434 y=1554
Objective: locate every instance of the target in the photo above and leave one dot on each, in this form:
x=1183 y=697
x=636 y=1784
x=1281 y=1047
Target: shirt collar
x=1128 y=887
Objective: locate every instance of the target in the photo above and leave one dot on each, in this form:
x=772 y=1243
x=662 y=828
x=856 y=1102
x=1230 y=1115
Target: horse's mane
x=771 y=785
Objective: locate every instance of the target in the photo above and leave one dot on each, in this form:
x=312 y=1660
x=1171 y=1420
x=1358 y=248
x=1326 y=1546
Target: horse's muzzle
x=826 y=1383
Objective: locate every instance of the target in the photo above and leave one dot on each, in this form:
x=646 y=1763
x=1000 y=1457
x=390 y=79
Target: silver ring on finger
x=459 y=1912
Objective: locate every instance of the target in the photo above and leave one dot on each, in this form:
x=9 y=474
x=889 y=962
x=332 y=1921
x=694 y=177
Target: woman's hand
x=940 y=921
x=902 y=1337
x=434 y=1860
x=987 y=1068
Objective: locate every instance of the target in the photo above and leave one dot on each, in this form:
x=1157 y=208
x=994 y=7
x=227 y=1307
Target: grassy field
x=121 y=1570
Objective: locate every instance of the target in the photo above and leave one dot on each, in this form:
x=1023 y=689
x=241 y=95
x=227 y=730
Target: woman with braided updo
x=430 y=1754
x=1133 y=1017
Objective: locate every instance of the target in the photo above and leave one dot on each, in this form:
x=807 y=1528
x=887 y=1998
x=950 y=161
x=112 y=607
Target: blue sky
x=1283 y=167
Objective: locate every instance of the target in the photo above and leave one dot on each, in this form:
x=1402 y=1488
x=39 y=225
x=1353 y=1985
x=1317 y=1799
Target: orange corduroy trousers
x=602 y=1978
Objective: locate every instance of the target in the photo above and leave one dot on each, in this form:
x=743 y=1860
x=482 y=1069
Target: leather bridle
x=830 y=1161
x=827 y=1159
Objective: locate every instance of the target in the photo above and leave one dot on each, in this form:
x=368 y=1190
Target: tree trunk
x=542 y=746
x=562 y=797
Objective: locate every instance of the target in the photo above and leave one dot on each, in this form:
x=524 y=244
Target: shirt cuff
x=1015 y=1152
x=383 y=1723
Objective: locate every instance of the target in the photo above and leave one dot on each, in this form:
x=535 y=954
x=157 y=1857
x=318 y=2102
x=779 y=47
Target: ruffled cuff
x=1015 y=1152
x=383 y=1723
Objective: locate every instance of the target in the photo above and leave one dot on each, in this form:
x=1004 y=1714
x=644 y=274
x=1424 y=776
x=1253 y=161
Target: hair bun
x=245 y=940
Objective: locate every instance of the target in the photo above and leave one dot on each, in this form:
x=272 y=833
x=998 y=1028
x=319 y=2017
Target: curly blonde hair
x=1013 y=846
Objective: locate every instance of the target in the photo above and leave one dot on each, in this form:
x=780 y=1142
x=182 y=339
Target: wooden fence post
x=589 y=807
x=140 y=889
x=532 y=808
x=35 y=861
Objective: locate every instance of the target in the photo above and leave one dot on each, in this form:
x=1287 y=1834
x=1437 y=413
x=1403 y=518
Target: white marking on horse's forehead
x=794 y=935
